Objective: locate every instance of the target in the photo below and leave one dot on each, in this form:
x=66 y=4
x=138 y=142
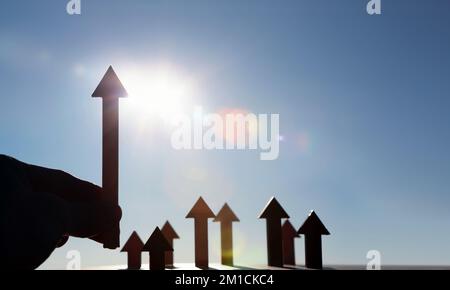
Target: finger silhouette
x=89 y=220
x=42 y=207
x=62 y=184
x=88 y=215
x=62 y=241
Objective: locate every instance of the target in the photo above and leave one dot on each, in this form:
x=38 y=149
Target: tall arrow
x=313 y=229
x=110 y=90
x=273 y=213
x=201 y=213
x=289 y=235
x=170 y=234
x=226 y=217
x=157 y=245
x=134 y=247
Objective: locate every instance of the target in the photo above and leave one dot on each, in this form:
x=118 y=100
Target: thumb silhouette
x=41 y=208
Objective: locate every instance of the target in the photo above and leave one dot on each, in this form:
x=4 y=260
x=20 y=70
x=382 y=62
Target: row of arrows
x=280 y=238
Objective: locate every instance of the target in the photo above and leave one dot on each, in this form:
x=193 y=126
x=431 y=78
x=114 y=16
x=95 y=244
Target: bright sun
x=156 y=92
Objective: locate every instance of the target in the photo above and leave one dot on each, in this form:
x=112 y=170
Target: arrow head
x=273 y=210
x=110 y=86
x=200 y=210
x=168 y=231
x=226 y=215
x=289 y=231
x=313 y=226
x=157 y=243
x=134 y=244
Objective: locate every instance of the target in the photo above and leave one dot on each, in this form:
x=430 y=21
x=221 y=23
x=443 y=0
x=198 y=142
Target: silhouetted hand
x=41 y=208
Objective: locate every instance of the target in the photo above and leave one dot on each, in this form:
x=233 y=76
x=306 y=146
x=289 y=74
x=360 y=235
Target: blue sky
x=363 y=103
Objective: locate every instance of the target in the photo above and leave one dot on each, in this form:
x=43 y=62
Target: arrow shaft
x=169 y=254
x=313 y=251
x=157 y=260
x=288 y=251
x=226 y=235
x=201 y=243
x=274 y=243
x=110 y=179
x=134 y=261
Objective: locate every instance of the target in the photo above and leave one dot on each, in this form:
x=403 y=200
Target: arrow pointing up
x=134 y=247
x=226 y=217
x=157 y=245
x=201 y=213
x=110 y=90
x=170 y=234
x=110 y=86
x=273 y=213
x=313 y=229
x=289 y=235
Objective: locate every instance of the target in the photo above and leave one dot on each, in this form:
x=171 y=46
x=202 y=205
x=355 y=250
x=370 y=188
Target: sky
x=363 y=104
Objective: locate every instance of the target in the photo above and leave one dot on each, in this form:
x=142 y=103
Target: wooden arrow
x=226 y=217
x=170 y=234
x=273 y=213
x=134 y=247
x=110 y=90
x=313 y=229
x=200 y=212
x=289 y=235
x=157 y=245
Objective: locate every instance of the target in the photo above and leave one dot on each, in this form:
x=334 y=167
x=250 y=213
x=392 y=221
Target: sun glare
x=157 y=92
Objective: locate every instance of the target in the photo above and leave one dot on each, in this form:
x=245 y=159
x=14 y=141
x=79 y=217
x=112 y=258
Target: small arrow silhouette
x=170 y=234
x=313 y=229
x=289 y=235
x=157 y=245
x=273 y=213
x=134 y=247
x=110 y=90
x=226 y=217
x=201 y=212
